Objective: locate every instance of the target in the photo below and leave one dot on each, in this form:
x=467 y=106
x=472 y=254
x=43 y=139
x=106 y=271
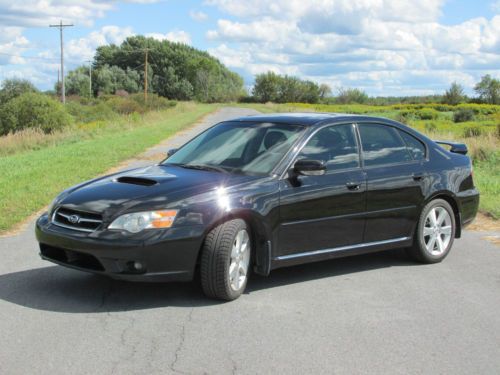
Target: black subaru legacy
x=263 y=192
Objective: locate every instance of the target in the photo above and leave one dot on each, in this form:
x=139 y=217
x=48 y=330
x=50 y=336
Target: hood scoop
x=136 y=181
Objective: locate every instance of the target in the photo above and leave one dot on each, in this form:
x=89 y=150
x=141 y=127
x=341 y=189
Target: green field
x=481 y=134
x=31 y=179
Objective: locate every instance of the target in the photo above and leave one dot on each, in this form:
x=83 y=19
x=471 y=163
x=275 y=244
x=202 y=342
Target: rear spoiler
x=457 y=148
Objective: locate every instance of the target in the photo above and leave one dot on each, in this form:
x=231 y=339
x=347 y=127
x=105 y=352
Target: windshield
x=238 y=147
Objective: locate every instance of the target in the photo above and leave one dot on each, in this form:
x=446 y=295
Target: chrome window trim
x=341 y=248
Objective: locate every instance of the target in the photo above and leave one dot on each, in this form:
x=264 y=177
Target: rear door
x=395 y=177
x=324 y=212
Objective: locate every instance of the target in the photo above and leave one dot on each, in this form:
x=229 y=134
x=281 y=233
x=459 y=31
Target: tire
x=225 y=260
x=435 y=232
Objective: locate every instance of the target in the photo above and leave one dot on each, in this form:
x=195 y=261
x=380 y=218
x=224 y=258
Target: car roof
x=304 y=118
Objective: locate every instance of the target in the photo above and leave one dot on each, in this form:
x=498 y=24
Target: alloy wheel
x=240 y=259
x=437 y=231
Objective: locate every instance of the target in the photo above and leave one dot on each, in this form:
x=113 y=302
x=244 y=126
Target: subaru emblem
x=73 y=219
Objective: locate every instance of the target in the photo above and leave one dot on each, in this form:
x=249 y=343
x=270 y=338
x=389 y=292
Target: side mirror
x=171 y=152
x=308 y=167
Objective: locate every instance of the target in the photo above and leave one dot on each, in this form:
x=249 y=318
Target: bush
x=12 y=88
x=124 y=106
x=472 y=131
x=90 y=110
x=154 y=103
x=463 y=115
x=427 y=114
x=430 y=127
x=33 y=110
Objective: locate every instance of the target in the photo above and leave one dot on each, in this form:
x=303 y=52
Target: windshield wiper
x=203 y=167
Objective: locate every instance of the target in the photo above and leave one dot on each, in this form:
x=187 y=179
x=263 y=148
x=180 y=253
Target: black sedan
x=263 y=192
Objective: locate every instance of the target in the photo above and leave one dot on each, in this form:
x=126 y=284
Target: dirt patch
x=493 y=239
x=484 y=223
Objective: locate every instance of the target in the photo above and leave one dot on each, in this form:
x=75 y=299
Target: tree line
x=174 y=70
x=271 y=87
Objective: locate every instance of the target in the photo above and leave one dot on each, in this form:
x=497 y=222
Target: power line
x=61 y=27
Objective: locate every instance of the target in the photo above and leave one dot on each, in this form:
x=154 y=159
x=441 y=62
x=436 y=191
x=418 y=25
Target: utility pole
x=90 y=77
x=61 y=27
x=146 y=75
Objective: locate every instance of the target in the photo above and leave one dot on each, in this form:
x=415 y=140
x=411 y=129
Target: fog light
x=138 y=266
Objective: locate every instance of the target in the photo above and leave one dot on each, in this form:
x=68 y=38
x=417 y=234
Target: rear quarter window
x=415 y=146
x=382 y=145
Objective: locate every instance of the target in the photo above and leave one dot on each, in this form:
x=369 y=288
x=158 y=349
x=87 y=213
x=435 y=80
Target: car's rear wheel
x=435 y=232
x=225 y=260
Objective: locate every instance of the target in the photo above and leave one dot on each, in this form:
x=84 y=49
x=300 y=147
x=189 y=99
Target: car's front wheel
x=225 y=260
x=435 y=232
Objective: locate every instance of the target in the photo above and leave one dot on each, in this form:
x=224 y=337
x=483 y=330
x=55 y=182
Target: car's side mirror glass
x=171 y=152
x=309 y=167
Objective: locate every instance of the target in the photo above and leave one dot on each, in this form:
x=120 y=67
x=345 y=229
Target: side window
x=382 y=145
x=334 y=145
x=416 y=147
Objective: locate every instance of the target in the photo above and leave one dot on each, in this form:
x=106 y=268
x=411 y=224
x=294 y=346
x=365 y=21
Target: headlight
x=138 y=221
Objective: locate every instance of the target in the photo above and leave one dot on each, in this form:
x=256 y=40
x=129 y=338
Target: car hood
x=149 y=188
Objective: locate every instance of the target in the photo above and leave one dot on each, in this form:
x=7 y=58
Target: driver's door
x=327 y=211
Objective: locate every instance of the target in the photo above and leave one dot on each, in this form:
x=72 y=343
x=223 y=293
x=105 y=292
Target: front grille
x=71 y=258
x=77 y=220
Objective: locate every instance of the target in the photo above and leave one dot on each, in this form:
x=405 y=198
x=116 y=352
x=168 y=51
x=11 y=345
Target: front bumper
x=152 y=255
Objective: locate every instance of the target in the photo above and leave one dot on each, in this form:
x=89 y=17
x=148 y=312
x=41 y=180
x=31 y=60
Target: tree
x=488 y=90
x=266 y=87
x=109 y=79
x=271 y=87
x=324 y=91
x=14 y=87
x=454 y=95
x=351 y=95
x=173 y=69
x=78 y=82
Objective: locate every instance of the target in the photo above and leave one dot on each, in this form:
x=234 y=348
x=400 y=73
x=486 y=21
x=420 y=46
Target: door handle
x=418 y=176
x=353 y=185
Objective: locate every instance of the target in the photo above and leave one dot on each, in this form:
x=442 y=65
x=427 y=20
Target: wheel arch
x=450 y=198
x=259 y=234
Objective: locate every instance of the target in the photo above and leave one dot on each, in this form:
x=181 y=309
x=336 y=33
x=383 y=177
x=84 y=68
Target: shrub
x=12 y=88
x=90 y=111
x=427 y=114
x=430 y=127
x=463 y=115
x=154 y=103
x=472 y=131
x=33 y=110
x=124 y=106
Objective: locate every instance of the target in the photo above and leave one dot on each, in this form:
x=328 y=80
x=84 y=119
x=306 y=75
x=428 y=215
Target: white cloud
x=176 y=36
x=43 y=12
x=12 y=43
x=198 y=15
x=81 y=49
x=378 y=44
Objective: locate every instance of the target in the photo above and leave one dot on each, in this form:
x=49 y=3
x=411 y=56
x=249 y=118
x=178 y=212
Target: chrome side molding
x=341 y=248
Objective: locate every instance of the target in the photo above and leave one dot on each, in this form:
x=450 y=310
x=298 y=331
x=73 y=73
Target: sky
x=385 y=47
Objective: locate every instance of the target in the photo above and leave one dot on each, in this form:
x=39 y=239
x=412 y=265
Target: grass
x=43 y=165
x=484 y=146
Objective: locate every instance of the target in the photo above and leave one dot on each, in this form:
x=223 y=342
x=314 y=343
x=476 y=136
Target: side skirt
x=339 y=252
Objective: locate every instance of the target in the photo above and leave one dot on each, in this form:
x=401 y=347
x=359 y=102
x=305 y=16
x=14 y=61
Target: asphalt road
x=377 y=313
